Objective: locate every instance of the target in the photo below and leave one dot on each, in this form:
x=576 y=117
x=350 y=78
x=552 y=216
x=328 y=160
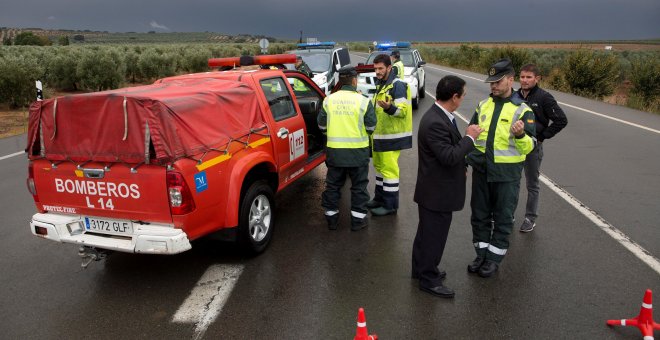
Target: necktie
x=453 y=121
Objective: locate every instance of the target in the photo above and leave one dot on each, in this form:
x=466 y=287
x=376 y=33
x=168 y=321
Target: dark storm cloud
x=448 y=20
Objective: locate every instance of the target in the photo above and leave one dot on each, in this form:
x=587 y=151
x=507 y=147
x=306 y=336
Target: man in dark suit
x=441 y=177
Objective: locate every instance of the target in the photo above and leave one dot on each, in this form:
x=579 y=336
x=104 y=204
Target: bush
x=63 y=40
x=645 y=77
x=591 y=74
x=17 y=80
x=61 y=70
x=153 y=65
x=518 y=57
x=101 y=70
x=29 y=38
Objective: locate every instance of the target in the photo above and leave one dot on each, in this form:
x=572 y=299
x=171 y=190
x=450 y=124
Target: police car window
x=279 y=99
x=317 y=62
x=407 y=59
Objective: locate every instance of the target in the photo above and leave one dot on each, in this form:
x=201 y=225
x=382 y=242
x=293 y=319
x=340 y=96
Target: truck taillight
x=181 y=201
x=30 y=182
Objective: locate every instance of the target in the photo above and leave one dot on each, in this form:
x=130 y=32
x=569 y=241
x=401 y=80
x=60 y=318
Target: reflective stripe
x=391 y=189
x=348 y=139
x=623 y=322
x=379 y=182
x=323 y=127
x=362 y=324
x=400 y=100
x=519 y=111
x=496 y=250
x=480 y=142
x=509 y=152
x=394 y=135
x=481 y=245
x=331 y=212
x=397 y=113
x=393 y=181
x=358 y=214
x=370 y=128
x=647 y=305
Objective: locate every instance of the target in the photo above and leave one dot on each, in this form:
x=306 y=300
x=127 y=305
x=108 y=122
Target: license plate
x=108 y=226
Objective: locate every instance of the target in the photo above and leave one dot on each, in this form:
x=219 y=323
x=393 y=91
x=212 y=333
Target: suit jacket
x=441 y=171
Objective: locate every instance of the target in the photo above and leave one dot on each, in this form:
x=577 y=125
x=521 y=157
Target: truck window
x=279 y=99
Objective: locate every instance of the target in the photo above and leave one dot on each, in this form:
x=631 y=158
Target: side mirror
x=419 y=64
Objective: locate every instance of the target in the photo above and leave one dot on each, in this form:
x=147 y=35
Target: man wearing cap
x=397 y=64
x=497 y=164
x=347 y=118
x=301 y=66
x=393 y=134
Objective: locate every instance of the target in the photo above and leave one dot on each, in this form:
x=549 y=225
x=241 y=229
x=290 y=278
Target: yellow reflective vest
x=497 y=151
x=400 y=69
x=394 y=129
x=345 y=120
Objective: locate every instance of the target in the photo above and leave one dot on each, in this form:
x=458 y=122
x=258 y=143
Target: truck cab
x=148 y=169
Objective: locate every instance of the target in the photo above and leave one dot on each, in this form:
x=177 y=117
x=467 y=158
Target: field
x=616 y=46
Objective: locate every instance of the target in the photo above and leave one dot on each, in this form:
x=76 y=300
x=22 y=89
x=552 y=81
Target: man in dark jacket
x=550 y=119
x=441 y=177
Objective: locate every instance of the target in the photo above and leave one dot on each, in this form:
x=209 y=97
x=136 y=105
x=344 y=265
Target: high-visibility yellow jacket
x=394 y=129
x=499 y=153
x=400 y=70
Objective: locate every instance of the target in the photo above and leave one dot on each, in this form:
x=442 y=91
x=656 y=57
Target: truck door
x=288 y=128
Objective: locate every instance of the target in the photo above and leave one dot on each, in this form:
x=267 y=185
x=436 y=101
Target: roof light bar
x=248 y=60
x=384 y=46
x=318 y=44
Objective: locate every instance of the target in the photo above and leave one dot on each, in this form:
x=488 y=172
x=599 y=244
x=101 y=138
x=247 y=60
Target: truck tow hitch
x=89 y=254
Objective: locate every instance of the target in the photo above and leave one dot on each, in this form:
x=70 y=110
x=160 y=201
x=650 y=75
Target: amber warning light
x=247 y=60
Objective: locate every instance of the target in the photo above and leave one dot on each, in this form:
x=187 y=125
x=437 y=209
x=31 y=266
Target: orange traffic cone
x=643 y=321
x=361 y=332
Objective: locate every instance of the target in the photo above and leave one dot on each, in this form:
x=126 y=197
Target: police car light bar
x=390 y=45
x=318 y=44
x=248 y=60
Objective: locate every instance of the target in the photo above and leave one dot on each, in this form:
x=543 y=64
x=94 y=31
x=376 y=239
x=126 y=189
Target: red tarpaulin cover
x=180 y=118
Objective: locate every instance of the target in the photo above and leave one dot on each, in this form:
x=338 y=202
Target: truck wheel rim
x=260 y=216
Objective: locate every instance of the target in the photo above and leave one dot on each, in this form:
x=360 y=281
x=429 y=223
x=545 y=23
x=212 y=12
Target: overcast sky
x=352 y=20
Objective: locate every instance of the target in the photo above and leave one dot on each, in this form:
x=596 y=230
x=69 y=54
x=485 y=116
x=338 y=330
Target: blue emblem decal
x=200 y=182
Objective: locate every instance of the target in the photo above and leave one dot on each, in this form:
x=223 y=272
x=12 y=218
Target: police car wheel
x=422 y=92
x=415 y=103
x=256 y=217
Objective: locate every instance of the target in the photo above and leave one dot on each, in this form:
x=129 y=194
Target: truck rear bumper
x=146 y=239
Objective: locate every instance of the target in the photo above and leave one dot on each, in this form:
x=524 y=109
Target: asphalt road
x=564 y=280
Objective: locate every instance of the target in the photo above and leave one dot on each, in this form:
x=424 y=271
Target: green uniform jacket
x=500 y=128
x=344 y=157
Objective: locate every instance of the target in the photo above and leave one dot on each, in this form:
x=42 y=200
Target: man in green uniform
x=397 y=64
x=302 y=66
x=347 y=118
x=497 y=164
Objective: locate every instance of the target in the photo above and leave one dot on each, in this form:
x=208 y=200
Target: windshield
x=317 y=62
x=406 y=57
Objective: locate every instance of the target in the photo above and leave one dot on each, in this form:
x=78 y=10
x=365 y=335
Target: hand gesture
x=473 y=131
x=518 y=128
x=385 y=104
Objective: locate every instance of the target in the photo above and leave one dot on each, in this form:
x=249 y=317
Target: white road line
x=206 y=300
x=599 y=221
x=569 y=105
x=12 y=155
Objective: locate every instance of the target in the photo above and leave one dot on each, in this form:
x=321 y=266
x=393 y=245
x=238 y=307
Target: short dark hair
x=396 y=54
x=383 y=59
x=531 y=68
x=346 y=79
x=448 y=86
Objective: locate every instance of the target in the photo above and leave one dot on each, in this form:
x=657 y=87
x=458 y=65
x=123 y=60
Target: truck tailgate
x=95 y=190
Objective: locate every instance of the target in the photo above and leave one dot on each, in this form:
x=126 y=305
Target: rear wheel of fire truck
x=255 y=226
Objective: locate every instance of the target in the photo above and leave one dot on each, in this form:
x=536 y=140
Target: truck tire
x=256 y=217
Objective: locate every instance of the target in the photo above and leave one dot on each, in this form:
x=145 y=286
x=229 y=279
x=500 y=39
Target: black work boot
x=358 y=224
x=476 y=264
x=488 y=268
x=333 y=221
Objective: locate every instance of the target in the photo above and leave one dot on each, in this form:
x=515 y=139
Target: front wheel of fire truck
x=256 y=217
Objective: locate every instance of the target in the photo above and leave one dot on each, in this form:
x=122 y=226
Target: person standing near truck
x=347 y=118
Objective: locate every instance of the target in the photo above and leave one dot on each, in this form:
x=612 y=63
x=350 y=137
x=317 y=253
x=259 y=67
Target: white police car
x=324 y=59
x=413 y=70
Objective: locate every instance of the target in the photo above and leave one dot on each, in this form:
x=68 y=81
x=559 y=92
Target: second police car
x=324 y=59
x=413 y=70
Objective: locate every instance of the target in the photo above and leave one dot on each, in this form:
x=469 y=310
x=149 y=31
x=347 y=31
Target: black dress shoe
x=440 y=291
x=441 y=275
x=476 y=264
x=488 y=268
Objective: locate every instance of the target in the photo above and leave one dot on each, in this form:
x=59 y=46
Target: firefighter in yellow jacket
x=393 y=133
x=497 y=164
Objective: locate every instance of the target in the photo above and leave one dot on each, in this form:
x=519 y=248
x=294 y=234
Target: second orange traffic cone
x=643 y=321
x=361 y=333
